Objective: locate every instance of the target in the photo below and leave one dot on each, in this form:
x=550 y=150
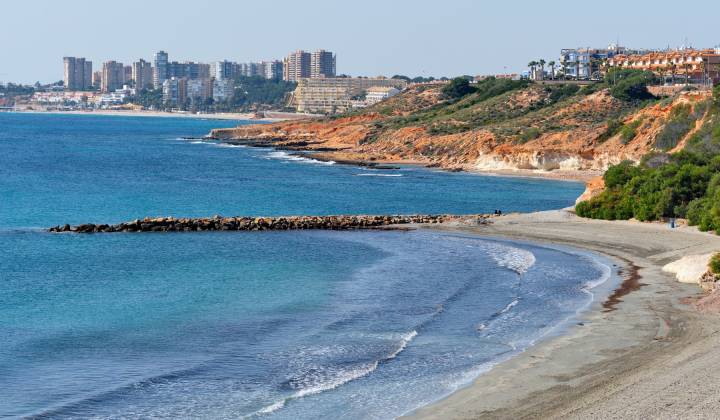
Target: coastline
x=344 y=158
x=218 y=116
x=643 y=354
x=557 y=175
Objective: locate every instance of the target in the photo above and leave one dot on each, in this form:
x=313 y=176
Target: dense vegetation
x=9 y=92
x=512 y=110
x=678 y=125
x=459 y=111
x=629 y=85
x=12 y=89
x=684 y=184
x=252 y=93
x=457 y=88
x=418 y=79
x=150 y=98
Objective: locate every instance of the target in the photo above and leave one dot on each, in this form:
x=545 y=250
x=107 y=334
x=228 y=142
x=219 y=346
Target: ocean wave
x=270 y=408
x=509 y=306
x=516 y=259
x=404 y=341
x=340 y=378
x=513 y=258
x=281 y=155
x=483 y=326
x=198 y=142
x=337 y=378
x=606 y=274
x=229 y=145
x=89 y=400
x=380 y=175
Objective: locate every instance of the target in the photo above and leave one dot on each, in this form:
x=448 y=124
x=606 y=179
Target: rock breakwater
x=218 y=223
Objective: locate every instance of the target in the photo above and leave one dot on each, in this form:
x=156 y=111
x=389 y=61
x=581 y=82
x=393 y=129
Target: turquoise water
x=276 y=324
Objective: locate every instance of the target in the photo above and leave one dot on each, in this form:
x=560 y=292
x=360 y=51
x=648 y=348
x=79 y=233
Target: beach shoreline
x=341 y=157
x=646 y=355
x=118 y=113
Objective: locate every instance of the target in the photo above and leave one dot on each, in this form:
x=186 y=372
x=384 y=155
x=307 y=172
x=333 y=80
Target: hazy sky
x=370 y=37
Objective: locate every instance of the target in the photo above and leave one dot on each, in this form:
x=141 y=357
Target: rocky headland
x=531 y=129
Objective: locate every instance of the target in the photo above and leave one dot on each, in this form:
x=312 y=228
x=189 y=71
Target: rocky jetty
x=218 y=223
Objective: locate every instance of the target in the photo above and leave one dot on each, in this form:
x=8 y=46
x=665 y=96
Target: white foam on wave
x=509 y=306
x=341 y=378
x=198 y=142
x=606 y=274
x=381 y=175
x=230 y=146
x=271 y=408
x=404 y=341
x=516 y=259
x=281 y=155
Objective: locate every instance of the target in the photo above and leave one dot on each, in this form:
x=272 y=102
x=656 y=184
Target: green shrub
x=697 y=214
x=529 y=134
x=609 y=205
x=612 y=127
x=630 y=85
x=457 y=88
x=619 y=175
x=700 y=109
x=629 y=131
x=683 y=184
x=558 y=93
x=714 y=264
x=679 y=123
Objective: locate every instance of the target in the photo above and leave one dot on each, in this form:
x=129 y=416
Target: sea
x=280 y=325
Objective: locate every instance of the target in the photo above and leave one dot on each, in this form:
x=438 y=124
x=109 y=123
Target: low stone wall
x=217 y=223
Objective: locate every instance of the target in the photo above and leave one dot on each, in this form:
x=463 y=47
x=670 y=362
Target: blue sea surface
x=309 y=324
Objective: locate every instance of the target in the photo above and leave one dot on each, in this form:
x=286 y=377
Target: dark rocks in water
x=218 y=223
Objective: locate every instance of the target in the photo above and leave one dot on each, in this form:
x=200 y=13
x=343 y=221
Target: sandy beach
x=119 y=113
x=639 y=354
x=558 y=175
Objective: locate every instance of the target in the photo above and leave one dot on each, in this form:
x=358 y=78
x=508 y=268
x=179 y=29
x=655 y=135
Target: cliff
x=557 y=130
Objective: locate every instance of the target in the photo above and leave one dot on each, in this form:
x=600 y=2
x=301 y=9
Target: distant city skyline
x=414 y=38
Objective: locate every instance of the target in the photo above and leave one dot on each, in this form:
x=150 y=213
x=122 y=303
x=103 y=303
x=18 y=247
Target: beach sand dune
x=647 y=356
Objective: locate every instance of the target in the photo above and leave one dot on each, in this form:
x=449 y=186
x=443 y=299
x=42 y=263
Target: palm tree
x=594 y=63
x=686 y=67
x=673 y=68
x=564 y=69
x=532 y=65
x=542 y=68
x=552 y=69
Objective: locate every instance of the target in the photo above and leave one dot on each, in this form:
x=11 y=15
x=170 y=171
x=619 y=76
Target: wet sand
x=639 y=354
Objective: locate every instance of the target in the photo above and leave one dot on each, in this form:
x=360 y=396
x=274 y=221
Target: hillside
x=501 y=125
x=681 y=184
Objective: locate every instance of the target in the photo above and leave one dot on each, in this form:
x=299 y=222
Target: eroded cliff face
x=569 y=136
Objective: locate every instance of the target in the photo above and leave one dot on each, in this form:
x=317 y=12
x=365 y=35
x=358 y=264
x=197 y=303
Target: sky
x=370 y=37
